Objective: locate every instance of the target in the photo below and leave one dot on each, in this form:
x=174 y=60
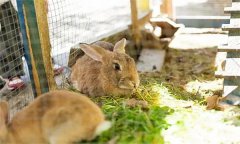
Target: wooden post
x=135 y=27
x=143 y=5
x=167 y=8
x=35 y=17
x=25 y=43
x=42 y=21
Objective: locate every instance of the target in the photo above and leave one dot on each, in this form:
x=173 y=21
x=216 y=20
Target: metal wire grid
x=79 y=21
x=12 y=61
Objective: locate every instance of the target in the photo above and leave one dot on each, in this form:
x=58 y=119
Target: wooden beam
x=227 y=48
x=25 y=44
x=41 y=15
x=145 y=19
x=135 y=27
x=33 y=65
x=39 y=46
x=167 y=8
x=143 y=5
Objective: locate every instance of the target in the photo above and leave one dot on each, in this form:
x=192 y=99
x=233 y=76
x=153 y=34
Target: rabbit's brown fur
x=95 y=73
x=58 y=117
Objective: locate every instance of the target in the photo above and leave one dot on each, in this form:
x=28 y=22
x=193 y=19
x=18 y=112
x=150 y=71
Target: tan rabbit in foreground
x=58 y=117
x=104 y=72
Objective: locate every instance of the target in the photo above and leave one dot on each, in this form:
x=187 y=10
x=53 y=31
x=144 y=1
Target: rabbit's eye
x=116 y=66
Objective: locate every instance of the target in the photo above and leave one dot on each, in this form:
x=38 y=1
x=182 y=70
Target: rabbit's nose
x=134 y=84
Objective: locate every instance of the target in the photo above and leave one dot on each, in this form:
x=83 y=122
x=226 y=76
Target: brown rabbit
x=104 y=72
x=57 y=117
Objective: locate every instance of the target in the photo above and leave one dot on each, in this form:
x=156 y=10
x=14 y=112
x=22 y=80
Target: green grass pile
x=138 y=125
x=135 y=124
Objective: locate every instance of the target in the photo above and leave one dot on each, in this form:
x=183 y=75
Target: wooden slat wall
x=231 y=67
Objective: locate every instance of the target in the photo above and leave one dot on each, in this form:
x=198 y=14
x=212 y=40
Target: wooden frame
x=136 y=22
x=167 y=8
x=33 y=20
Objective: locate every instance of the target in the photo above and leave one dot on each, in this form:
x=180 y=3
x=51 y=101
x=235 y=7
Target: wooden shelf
x=230 y=98
x=227 y=27
x=232 y=68
x=226 y=48
x=228 y=89
x=232 y=9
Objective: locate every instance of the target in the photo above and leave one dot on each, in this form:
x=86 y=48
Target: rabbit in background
x=105 y=69
x=57 y=117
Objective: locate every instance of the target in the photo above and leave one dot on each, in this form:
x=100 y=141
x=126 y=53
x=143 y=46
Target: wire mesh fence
x=70 y=22
x=14 y=80
x=78 y=21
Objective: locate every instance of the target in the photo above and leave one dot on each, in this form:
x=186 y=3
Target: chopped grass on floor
x=176 y=110
x=173 y=89
x=135 y=124
x=188 y=74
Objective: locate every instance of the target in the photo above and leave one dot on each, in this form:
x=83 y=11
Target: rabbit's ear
x=120 y=46
x=93 y=51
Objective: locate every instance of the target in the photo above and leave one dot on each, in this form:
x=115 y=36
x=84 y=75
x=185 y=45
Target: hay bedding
x=169 y=107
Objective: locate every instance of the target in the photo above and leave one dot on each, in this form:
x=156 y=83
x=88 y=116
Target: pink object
x=16 y=83
x=57 y=69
